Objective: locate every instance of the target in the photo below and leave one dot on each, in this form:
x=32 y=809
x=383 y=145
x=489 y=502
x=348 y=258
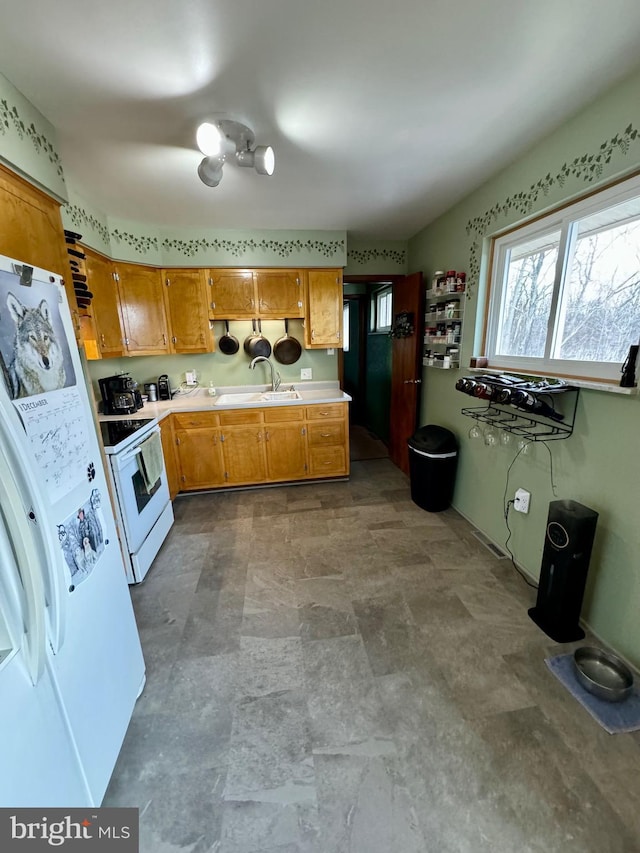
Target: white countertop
x=199 y=400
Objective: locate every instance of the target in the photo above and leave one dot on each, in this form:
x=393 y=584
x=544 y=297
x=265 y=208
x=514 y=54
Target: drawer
x=238 y=417
x=332 y=410
x=281 y=414
x=327 y=461
x=187 y=420
x=331 y=432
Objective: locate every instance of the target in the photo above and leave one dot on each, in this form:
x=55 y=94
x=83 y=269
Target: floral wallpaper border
x=9 y=116
x=363 y=256
x=79 y=217
x=588 y=167
x=141 y=244
x=236 y=248
x=282 y=248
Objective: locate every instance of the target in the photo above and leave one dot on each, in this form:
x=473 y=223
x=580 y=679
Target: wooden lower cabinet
x=198 y=450
x=244 y=454
x=286 y=443
x=262 y=445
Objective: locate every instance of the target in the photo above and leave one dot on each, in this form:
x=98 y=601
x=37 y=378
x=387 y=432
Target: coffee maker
x=118 y=396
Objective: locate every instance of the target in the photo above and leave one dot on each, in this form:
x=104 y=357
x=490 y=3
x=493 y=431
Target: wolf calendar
x=35 y=356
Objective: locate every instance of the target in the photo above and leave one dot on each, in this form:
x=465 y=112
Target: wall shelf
x=443 y=320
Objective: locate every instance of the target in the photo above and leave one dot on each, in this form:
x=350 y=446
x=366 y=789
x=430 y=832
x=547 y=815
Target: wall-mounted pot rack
x=530 y=425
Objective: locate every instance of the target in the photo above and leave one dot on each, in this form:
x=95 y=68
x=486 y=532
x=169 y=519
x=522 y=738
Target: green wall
x=597 y=466
x=223 y=369
x=28 y=142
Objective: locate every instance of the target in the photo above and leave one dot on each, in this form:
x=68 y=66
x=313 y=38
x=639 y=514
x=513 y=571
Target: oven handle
x=125 y=457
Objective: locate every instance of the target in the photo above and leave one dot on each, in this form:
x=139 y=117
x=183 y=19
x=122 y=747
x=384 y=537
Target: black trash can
x=433 y=459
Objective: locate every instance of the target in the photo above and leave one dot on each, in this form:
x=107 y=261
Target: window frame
x=375 y=326
x=501 y=244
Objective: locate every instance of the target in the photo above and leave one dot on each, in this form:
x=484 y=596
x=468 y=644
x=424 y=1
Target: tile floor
x=333 y=670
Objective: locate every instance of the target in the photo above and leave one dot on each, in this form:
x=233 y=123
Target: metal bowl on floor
x=603 y=674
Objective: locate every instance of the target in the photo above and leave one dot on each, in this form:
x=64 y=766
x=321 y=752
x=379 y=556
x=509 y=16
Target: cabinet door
x=169 y=453
x=279 y=293
x=199 y=458
x=32 y=232
x=144 y=319
x=105 y=306
x=232 y=294
x=323 y=323
x=286 y=449
x=187 y=310
x=244 y=454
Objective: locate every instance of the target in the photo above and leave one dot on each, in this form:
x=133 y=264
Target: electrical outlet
x=306 y=373
x=521 y=500
x=190 y=377
x=331 y=351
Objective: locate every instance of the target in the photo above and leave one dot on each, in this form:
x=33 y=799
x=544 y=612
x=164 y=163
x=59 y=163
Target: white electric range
x=143 y=511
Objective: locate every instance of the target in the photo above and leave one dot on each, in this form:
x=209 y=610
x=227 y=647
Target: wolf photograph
x=35 y=356
x=81 y=539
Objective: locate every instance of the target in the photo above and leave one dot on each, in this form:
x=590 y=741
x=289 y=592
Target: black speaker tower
x=563 y=575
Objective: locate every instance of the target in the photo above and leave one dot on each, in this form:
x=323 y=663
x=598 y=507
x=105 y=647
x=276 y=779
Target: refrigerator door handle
x=28 y=559
x=47 y=556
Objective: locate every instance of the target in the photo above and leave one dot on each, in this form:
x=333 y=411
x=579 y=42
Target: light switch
x=306 y=373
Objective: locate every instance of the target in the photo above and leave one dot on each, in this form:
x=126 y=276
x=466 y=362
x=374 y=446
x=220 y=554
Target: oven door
x=139 y=508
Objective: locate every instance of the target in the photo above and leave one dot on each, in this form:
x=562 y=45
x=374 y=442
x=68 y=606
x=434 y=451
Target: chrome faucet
x=275 y=376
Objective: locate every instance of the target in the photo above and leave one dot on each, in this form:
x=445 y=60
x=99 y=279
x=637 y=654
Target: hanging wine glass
x=475 y=432
x=505 y=438
x=523 y=447
x=490 y=437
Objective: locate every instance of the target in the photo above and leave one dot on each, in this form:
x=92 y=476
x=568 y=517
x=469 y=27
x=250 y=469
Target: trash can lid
x=433 y=439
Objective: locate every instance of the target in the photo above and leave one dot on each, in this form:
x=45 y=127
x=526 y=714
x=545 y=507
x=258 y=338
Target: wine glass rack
x=529 y=425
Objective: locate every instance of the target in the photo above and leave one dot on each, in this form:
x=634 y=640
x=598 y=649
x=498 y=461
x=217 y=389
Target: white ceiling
x=382 y=114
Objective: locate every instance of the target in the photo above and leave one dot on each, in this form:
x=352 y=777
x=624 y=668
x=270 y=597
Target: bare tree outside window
x=565 y=292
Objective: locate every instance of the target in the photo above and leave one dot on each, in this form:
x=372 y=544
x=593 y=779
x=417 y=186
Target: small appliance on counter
x=118 y=395
x=151 y=390
x=164 y=387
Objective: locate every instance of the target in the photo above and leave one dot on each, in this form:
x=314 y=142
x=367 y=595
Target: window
x=565 y=292
x=381 y=304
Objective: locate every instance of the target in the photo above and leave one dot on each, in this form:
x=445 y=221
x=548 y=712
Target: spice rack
x=529 y=425
x=443 y=320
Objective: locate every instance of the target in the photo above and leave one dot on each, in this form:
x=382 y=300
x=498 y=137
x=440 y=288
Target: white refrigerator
x=71 y=665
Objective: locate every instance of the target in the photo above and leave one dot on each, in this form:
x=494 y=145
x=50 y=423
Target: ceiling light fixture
x=226 y=140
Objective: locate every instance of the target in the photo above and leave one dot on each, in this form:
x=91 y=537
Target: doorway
x=385 y=401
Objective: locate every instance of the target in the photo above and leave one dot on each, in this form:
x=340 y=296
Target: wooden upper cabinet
x=237 y=294
x=144 y=318
x=279 y=293
x=231 y=294
x=105 y=305
x=31 y=231
x=186 y=293
x=323 y=322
